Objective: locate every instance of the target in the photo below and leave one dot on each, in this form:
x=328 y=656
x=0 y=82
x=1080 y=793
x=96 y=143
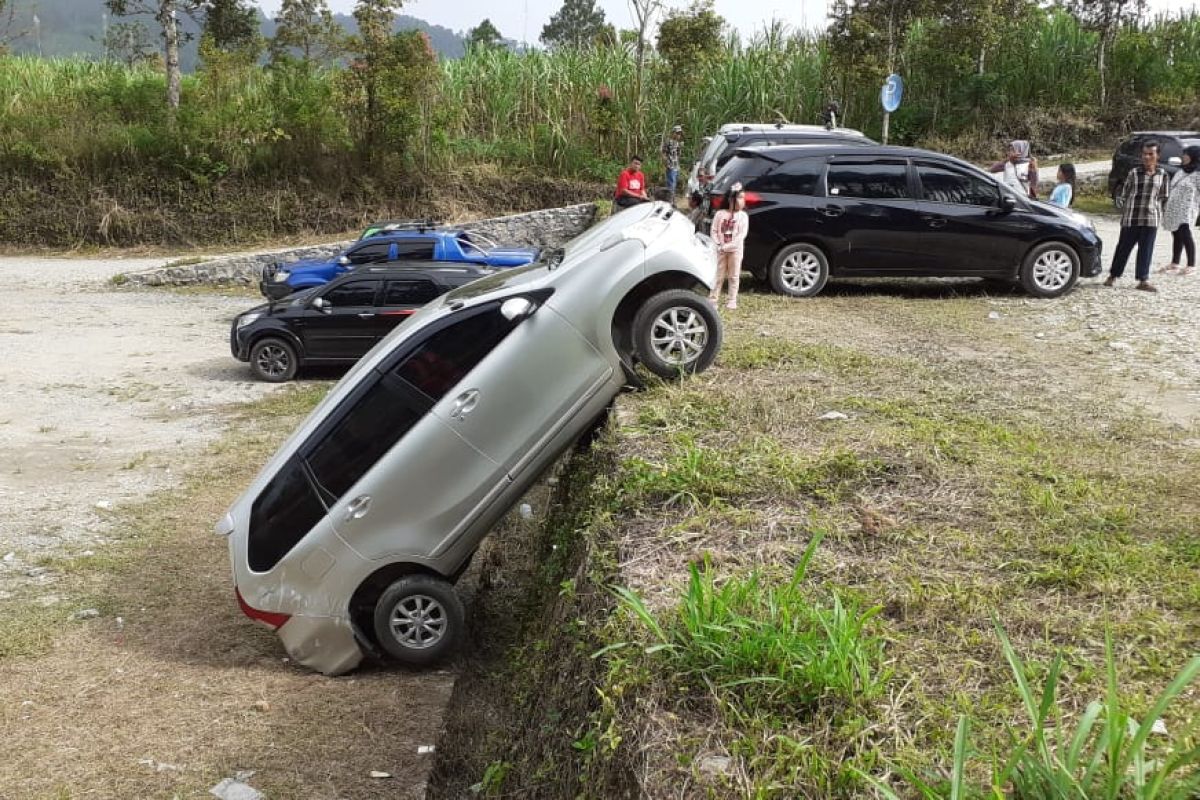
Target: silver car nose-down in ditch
x=351 y=537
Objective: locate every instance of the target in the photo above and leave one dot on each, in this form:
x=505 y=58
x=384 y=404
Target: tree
x=128 y=42
x=307 y=26
x=578 y=24
x=1105 y=17
x=484 y=36
x=689 y=41
x=231 y=25
x=166 y=14
x=644 y=12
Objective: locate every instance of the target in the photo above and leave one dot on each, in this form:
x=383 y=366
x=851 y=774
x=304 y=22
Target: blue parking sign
x=893 y=90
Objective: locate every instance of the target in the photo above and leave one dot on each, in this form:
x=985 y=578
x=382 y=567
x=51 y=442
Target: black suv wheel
x=273 y=360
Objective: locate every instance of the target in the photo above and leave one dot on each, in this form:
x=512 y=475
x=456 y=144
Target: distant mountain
x=76 y=28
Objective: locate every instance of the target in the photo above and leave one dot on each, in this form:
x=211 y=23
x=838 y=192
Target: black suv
x=338 y=322
x=821 y=211
x=1128 y=154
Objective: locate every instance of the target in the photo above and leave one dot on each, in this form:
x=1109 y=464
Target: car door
x=347 y=326
x=401 y=298
x=966 y=231
x=781 y=204
x=869 y=216
x=527 y=390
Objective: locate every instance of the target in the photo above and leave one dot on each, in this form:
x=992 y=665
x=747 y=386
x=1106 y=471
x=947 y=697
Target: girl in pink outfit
x=729 y=228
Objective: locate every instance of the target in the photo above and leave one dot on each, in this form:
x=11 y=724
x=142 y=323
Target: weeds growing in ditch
x=764 y=648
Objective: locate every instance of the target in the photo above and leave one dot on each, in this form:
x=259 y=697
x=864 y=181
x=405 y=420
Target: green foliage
x=765 y=648
x=484 y=35
x=1104 y=754
x=390 y=91
x=691 y=41
x=232 y=25
x=577 y=24
x=307 y=27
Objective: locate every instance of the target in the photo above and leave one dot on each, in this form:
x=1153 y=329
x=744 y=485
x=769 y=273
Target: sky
x=522 y=20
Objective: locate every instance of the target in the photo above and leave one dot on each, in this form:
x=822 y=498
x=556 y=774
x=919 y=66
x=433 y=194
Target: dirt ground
x=109 y=396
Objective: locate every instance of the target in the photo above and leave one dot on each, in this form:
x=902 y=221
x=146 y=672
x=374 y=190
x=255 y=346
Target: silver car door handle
x=464 y=404
x=366 y=314
x=358 y=507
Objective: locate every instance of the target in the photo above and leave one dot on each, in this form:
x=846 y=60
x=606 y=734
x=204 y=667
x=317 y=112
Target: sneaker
x=1145 y=286
x=731 y=306
x=1169 y=269
x=1187 y=270
x=1110 y=281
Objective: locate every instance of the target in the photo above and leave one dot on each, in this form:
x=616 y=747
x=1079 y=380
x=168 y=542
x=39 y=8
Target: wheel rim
x=1052 y=270
x=679 y=335
x=273 y=360
x=800 y=271
x=418 y=622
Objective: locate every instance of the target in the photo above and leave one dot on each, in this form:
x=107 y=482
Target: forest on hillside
x=332 y=127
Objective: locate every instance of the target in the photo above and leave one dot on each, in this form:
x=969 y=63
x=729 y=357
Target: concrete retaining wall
x=546 y=228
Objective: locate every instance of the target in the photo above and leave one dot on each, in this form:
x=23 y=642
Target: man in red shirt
x=631 y=185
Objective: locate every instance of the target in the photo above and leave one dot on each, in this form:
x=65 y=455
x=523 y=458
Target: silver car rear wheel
x=1050 y=269
x=419 y=619
x=676 y=332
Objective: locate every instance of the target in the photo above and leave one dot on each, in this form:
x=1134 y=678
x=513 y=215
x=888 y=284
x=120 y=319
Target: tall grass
x=763 y=648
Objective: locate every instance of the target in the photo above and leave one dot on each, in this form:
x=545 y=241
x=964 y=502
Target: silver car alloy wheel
x=800 y=271
x=1052 y=270
x=418 y=622
x=679 y=335
x=273 y=360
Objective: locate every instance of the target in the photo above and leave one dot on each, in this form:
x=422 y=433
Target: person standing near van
x=1143 y=200
x=670 y=153
x=729 y=228
x=1183 y=206
x=631 y=185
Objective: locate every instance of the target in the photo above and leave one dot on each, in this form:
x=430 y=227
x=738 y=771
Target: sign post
x=889 y=97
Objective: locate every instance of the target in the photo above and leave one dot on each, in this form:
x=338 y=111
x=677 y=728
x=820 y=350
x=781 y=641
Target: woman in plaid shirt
x=1143 y=198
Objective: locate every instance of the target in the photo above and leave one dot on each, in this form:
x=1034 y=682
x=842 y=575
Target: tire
x=676 y=332
x=419 y=620
x=1050 y=270
x=799 y=270
x=273 y=360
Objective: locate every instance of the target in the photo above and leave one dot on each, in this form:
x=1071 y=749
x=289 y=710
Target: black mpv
x=337 y=323
x=821 y=211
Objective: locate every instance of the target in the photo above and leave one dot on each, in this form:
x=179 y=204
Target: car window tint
x=285 y=510
x=944 y=185
x=743 y=168
x=416 y=251
x=369 y=254
x=354 y=293
x=363 y=432
x=445 y=358
x=883 y=179
x=409 y=293
x=801 y=176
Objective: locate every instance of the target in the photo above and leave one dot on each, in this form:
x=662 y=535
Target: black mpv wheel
x=1050 y=269
x=799 y=270
x=273 y=360
x=676 y=331
x=419 y=619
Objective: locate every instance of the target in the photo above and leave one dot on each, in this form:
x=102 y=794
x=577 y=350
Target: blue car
x=385 y=246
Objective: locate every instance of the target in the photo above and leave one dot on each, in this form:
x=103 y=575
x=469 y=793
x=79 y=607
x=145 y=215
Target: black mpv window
x=354 y=293
x=409 y=293
x=942 y=185
x=801 y=176
x=883 y=179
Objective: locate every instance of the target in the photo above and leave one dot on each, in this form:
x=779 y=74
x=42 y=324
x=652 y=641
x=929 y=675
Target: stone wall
x=546 y=228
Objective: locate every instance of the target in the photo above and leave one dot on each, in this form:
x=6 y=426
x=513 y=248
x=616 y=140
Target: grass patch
x=1094 y=204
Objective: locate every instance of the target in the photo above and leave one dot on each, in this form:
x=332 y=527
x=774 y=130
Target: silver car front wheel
x=676 y=332
x=1050 y=270
x=799 y=270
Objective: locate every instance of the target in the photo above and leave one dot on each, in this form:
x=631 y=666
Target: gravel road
x=104 y=395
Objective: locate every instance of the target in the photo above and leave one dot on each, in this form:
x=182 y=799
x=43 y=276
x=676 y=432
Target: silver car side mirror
x=516 y=308
x=322 y=305
x=1175 y=161
x=344 y=260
